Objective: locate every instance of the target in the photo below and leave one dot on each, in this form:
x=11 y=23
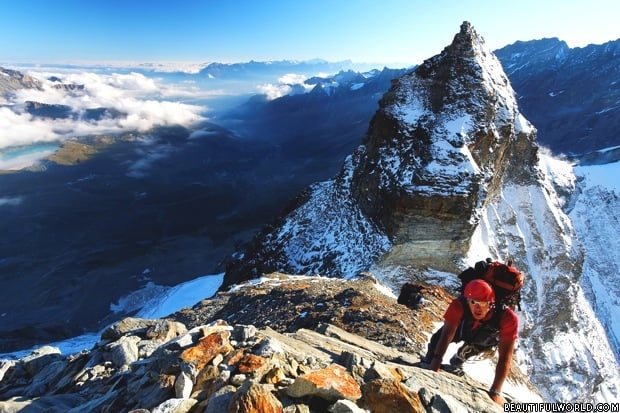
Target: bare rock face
x=443 y=142
x=385 y=395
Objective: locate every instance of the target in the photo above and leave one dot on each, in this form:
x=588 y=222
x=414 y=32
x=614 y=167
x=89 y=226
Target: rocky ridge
x=294 y=358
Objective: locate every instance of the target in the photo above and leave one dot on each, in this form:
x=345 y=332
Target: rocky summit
x=445 y=139
x=286 y=344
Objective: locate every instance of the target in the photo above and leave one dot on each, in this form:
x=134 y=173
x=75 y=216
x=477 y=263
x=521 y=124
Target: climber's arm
x=505 y=350
x=447 y=334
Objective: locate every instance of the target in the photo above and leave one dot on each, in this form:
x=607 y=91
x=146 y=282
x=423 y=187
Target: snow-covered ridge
x=595 y=215
x=349 y=241
x=558 y=349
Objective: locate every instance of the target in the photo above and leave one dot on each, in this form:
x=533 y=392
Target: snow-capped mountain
x=273 y=69
x=449 y=173
x=571 y=95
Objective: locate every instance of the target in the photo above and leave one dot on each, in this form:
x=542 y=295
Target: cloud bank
x=137 y=102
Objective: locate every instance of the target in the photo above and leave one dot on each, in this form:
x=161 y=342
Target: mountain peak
x=466 y=43
x=468 y=57
x=441 y=145
x=466 y=37
x=467 y=28
x=444 y=140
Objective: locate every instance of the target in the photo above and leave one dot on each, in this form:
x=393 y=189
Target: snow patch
x=151 y=301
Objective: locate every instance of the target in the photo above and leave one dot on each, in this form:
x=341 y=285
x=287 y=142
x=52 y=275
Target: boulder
x=331 y=383
x=208 y=347
x=254 y=398
x=388 y=395
x=129 y=325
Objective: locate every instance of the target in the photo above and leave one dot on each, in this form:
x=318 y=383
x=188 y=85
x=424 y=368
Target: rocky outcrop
x=445 y=139
x=159 y=366
x=12 y=81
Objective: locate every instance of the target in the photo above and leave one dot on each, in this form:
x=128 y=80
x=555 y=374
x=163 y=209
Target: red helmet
x=479 y=290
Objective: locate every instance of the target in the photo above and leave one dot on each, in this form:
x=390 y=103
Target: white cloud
x=19 y=129
x=16 y=162
x=10 y=201
x=142 y=100
x=274 y=91
x=293 y=79
x=288 y=84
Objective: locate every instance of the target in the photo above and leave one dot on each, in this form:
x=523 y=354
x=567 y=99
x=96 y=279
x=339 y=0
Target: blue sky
x=387 y=31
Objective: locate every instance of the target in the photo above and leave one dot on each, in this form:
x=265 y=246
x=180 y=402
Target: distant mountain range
x=572 y=96
x=272 y=68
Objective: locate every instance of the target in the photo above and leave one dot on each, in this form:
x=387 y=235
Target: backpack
x=505 y=279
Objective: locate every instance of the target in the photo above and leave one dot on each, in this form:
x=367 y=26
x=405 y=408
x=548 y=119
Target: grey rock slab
x=297 y=348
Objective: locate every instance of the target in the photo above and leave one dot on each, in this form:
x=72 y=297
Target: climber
x=474 y=319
